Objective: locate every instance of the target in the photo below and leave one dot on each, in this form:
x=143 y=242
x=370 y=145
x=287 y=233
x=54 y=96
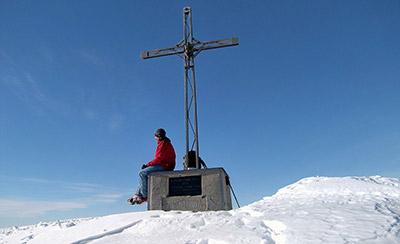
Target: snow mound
x=313 y=210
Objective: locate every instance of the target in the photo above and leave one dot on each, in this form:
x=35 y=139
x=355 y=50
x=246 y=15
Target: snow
x=312 y=210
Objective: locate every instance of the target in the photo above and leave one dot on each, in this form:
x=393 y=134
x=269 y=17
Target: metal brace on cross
x=188 y=49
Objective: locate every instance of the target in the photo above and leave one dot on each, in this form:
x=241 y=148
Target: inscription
x=186 y=204
x=185 y=186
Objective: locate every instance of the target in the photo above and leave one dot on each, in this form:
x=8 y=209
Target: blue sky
x=312 y=89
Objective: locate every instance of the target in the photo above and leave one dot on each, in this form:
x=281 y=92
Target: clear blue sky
x=312 y=89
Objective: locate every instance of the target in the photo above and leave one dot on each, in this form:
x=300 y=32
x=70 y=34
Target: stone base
x=189 y=190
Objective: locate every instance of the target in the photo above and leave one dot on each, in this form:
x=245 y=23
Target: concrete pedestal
x=189 y=190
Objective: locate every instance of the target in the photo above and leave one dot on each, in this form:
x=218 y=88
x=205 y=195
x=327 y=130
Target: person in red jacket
x=163 y=160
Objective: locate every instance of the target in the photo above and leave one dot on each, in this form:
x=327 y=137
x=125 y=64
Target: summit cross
x=188 y=48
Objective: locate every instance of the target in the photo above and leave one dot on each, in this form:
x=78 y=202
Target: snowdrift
x=313 y=210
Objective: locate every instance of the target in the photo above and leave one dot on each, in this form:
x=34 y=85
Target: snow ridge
x=312 y=210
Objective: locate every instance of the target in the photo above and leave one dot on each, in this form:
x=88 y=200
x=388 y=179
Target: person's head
x=160 y=134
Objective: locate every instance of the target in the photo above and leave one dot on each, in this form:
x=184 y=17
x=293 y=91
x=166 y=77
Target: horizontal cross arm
x=195 y=47
x=162 y=52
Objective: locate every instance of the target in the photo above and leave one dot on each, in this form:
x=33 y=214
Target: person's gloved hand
x=144 y=166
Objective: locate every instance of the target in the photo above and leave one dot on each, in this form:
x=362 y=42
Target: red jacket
x=165 y=155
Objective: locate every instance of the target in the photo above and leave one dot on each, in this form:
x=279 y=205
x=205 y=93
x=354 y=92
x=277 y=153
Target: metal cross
x=188 y=49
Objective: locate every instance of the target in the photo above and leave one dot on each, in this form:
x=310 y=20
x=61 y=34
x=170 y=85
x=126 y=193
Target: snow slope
x=313 y=210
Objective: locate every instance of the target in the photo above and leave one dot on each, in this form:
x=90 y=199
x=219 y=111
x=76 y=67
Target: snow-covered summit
x=345 y=186
x=312 y=210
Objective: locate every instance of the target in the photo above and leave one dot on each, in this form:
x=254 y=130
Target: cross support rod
x=188 y=48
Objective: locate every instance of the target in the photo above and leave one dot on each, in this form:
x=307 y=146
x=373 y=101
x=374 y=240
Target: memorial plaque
x=189 y=190
x=185 y=186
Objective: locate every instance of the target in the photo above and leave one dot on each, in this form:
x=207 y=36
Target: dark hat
x=160 y=133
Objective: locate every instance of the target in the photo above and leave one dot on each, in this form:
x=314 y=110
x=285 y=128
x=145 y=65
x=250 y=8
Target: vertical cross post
x=188 y=48
x=189 y=71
